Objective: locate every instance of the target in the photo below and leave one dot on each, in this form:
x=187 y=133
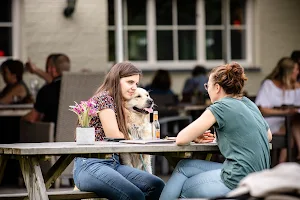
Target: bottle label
x=157 y=134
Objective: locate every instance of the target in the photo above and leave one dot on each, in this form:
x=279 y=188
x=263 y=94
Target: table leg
x=33 y=178
x=3 y=161
x=57 y=169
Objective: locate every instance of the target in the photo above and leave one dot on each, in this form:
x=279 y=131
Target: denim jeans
x=195 y=179
x=110 y=179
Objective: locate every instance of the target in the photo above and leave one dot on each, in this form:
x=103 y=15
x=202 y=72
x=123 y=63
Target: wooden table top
x=59 y=148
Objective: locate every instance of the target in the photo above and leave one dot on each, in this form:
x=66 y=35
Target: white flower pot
x=85 y=135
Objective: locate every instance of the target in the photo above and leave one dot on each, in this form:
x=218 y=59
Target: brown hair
x=230 y=77
x=112 y=85
x=282 y=73
x=161 y=80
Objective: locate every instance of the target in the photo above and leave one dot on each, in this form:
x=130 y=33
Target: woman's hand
x=206 y=137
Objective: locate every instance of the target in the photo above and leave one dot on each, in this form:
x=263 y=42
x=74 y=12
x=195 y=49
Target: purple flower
x=85 y=111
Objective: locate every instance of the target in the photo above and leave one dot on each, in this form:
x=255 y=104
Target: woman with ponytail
x=243 y=138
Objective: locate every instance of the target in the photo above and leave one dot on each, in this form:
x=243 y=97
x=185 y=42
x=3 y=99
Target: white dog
x=138 y=111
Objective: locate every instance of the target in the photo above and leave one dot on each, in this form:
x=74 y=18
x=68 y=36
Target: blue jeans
x=109 y=179
x=195 y=179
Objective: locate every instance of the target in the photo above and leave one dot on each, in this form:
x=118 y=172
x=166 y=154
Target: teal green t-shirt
x=242 y=138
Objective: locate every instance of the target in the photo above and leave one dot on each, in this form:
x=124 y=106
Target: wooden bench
x=56 y=195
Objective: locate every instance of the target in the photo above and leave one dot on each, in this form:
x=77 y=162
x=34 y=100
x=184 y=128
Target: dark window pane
x=137 y=45
x=213 y=12
x=186 y=12
x=164 y=12
x=187 y=45
x=5 y=41
x=136 y=12
x=213 y=45
x=5 y=10
x=111 y=46
x=238 y=43
x=164 y=48
x=237 y=12
x=111 y=12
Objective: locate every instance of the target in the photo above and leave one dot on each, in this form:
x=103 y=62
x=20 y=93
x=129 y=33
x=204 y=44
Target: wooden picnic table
x=15 y=110
x=29 y=155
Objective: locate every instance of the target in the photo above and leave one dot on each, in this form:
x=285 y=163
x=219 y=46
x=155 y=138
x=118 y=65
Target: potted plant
x=85 y=111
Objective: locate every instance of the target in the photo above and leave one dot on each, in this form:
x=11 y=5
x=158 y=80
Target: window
x=178 y=34
x=8 y=29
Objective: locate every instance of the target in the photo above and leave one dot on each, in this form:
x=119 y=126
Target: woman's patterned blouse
x=102 y=101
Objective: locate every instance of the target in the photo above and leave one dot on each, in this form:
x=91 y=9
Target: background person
x=108 y=177
x=243 y=138
x=296 y=58
x=15 y=91
x=161 y=83
x=47 y=100
x=32 y=68
x=193 y=86
x=280 y=88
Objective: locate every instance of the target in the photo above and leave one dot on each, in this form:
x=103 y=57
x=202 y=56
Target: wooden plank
x=55 y=195
x=3 y=162
x=33 y=178
x=58 y=148
x=56 y=170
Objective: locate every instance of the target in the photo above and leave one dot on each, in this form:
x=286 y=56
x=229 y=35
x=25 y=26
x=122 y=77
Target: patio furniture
x=75 y=86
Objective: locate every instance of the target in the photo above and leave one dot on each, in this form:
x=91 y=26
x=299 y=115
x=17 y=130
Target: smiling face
x=141 y=102
x=129 y=85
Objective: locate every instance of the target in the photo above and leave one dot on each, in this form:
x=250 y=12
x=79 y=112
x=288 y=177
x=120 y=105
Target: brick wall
x=82 y=37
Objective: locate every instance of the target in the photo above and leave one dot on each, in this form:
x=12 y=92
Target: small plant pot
x=85 y=135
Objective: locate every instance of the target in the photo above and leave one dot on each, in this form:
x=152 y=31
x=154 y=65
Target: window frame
x=15 y=25
x=153 y=64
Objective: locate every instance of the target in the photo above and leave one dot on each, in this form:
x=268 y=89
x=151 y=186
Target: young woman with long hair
x=280 y=88
x=108 y=177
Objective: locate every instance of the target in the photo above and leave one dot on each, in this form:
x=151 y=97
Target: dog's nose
x=150 y=101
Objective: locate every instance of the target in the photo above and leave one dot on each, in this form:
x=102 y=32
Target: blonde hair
x=282 y=73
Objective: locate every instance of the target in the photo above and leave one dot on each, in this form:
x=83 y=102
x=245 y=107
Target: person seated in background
x=46 y=105
x=194 y=85
x=161 y=83
x=15 y=91
x=32 y=68
x=278 y=89
x=160 y=91
x=296 y=58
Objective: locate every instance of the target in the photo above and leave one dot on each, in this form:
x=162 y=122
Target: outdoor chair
x=75 y=86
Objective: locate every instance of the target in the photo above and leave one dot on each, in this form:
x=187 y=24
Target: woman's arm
x=18 y=90
x=197 y=128
x=109 y=123
x=274 y=111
